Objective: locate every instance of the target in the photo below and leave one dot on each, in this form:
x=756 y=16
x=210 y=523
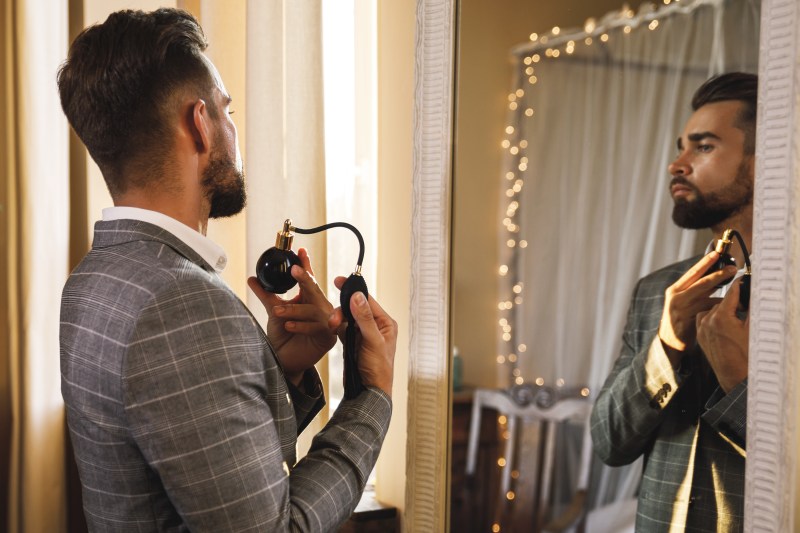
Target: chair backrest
x=545 y=407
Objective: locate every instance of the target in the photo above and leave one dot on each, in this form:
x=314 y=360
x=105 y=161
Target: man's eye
x=705 y=148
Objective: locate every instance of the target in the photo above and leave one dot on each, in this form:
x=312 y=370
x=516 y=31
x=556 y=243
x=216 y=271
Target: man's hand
x=683 y=300
x=377 y=340
x=303 y=328
x=724 y=339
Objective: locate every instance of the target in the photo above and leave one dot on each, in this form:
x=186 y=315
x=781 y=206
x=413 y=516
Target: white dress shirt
x=210 y=251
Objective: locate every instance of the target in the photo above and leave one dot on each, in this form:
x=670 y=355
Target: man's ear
x=199 y=124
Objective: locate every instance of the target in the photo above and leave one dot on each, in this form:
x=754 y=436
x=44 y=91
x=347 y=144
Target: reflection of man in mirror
x=183 y=413
x=677 y=393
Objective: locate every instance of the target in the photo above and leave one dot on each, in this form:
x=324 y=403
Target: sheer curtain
x=593 y=118
x=34 y=233
x=285 y=136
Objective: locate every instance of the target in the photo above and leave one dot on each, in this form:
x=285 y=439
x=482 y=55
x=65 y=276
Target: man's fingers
x=305 y=261
x=308 y=285
x=336 y=319
x=302 y=312
x=731 y=300
x=698 y=320
x=268 y=299
x=364 y=318
x=696 y=272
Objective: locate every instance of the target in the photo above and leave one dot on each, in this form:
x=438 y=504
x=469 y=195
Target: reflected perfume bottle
x=726 y=259
x=722 y=247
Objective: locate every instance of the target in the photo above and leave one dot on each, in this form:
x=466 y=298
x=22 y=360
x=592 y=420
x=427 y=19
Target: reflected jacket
x=691 y=433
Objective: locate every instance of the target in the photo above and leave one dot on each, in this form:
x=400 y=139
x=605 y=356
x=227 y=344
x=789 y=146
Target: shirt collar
x=211 y=252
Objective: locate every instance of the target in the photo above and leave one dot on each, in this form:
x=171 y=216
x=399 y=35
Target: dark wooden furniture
x=473 y=499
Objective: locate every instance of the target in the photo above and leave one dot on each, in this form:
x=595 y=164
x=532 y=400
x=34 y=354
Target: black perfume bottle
x=274 y=273
x=725 y=259
x=722 y=247
x=274 y=267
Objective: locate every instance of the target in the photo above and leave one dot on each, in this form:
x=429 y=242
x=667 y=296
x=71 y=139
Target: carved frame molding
x=429 y=398
x=772 y=457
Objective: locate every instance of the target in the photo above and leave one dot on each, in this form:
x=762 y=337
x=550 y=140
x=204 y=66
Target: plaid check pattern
x=692 y=435
x=179 y=414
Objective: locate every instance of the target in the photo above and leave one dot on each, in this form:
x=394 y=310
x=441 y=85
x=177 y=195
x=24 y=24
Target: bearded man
x=678 y=391
x=183 y=413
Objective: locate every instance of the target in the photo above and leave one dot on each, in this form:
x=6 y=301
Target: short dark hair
x=739 y=86
x=118 y=84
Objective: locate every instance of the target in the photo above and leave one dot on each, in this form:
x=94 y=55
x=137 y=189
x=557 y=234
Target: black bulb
x=274 y=270
x=723 y=261
x=355 y=283
x=744 y=292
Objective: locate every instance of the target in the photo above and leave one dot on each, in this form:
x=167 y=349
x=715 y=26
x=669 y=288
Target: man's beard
x=224 y=185
x=711 y=209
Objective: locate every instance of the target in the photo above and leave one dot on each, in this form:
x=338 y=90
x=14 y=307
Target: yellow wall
x=396 y=26
x=488 y=30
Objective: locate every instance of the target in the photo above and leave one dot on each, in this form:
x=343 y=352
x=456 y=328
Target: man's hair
x=737 y=86
x=118 y=88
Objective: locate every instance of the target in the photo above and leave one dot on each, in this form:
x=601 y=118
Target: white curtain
x=592 y=128
x=34 y=235
x=285 y=134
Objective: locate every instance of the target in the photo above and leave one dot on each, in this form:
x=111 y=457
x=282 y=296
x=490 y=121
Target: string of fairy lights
x=549 y=46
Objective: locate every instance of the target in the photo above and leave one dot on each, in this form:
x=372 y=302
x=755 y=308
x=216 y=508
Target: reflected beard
x=224 y=185
x=710 y=209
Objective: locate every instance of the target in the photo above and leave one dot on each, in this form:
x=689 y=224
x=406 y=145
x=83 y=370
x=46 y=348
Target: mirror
x=431 y=174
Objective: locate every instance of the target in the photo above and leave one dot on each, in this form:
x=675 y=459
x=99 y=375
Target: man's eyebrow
x=697 y=137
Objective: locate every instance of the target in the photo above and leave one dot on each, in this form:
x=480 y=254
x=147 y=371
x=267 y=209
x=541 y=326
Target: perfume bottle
x=722 y=247
x=274 y=267
x=274 y=273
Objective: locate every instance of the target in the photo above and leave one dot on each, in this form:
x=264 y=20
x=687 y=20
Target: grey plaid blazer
x=177 y=407
x=692 y=435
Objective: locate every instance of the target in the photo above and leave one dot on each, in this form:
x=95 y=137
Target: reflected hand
x=301 y=329
x=683 y=300
x=724 y=339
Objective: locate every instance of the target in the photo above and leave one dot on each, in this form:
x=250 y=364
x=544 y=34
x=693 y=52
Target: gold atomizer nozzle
x=724 y=242
x=284 y=239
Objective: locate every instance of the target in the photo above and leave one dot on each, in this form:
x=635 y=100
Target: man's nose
x=679 y=167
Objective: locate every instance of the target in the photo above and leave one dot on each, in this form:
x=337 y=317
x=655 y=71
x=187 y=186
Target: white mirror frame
x=427 y=492
x=772 y=462
x=772 y=455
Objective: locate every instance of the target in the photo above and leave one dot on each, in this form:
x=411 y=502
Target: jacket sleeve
x=631 y=403
x=199 y=386
x=727 y=413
